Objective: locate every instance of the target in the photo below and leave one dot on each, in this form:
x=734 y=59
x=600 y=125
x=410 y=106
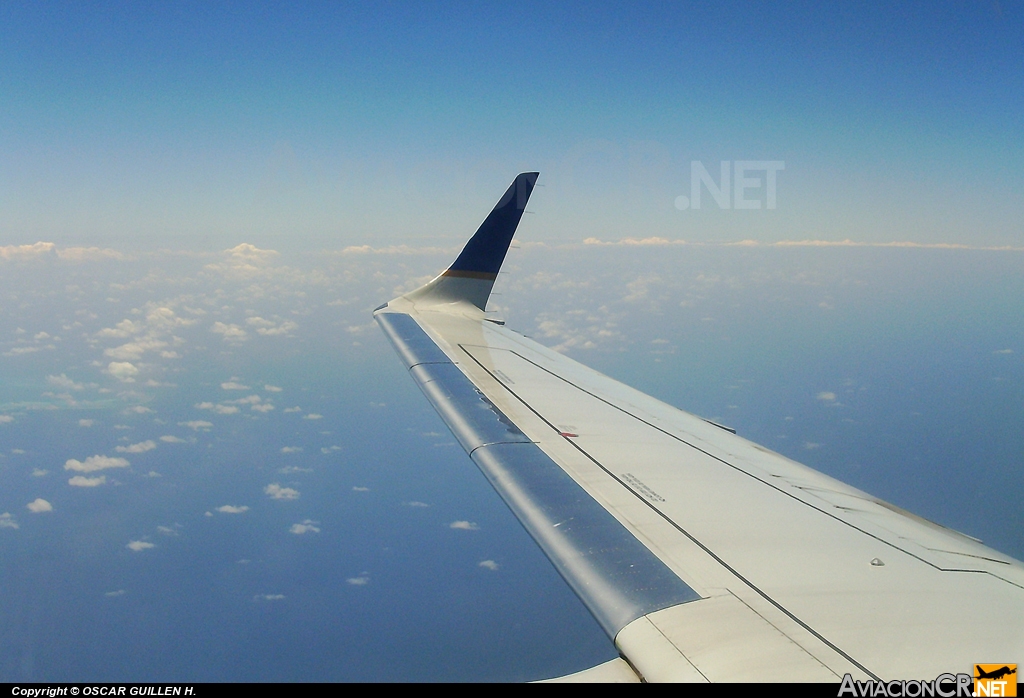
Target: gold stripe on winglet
x=470 y=274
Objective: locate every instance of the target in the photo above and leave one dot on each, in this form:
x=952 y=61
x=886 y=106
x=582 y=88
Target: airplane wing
x=704 y=556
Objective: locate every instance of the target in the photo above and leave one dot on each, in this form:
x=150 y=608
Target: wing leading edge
x=703 y=556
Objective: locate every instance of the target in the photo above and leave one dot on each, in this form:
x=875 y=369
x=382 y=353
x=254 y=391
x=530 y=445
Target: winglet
x=471 y=277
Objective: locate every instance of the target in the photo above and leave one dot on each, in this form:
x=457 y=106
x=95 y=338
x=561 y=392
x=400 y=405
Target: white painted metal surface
x=802 y=576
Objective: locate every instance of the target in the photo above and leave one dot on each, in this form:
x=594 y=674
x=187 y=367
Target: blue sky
x=200 y=205
x=314 y=124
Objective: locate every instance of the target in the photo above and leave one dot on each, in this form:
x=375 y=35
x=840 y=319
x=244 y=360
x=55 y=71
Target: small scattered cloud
x=39 y=472
x=35 y=251
x=230 y=333
x=119 y=592
x=82 y=481
x=265 y=407
x=233 y=385
x=86 y=422
x=94 y=463
x=39 y=506
x=313 y=415
x=6 y=419
x=359 y=581
x=277 y=492
x=464 y=526
x=270 y=327
x=634 y=242
x=7 y=521
x=139 y=545
x=140 y=447
x=167 y=530
x=360 y=489
x=168 y=439
x=196 y=424
x=307 y=526
x=291 y=449
x=219 y=409
x=138 y=409
x=269 y=597
x=294 y=469
x=330 y=449
x=15 y=351
x=231 y=509
x=417 y=504
x=272 y=389
x=826 y=397
x=810 y=445
x=1003 y=351
x=124 y=371
x=489 y=565
x=64 y=383
x=293 y=409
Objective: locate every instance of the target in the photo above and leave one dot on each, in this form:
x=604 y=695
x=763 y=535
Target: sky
x=212 y=467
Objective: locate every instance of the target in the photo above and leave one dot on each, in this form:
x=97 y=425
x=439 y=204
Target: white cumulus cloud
x=229 y=509
x=83 y=481
x=123 y=371
x=94 y=463
x=7 y=521
x=277 y=492
x=139 y=545
x=196 y=424
x=231 y=333
x=219 y=409
x=140 y=447
x=306 y=526
x=63 y=382
x=489 y=565
x=463 y=525
x=282 y=329
x=39 y=506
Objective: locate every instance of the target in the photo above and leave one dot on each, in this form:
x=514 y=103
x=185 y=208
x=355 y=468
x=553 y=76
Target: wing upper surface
x=727 y=561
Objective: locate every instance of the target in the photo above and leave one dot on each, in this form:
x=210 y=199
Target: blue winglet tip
x=483 y=255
